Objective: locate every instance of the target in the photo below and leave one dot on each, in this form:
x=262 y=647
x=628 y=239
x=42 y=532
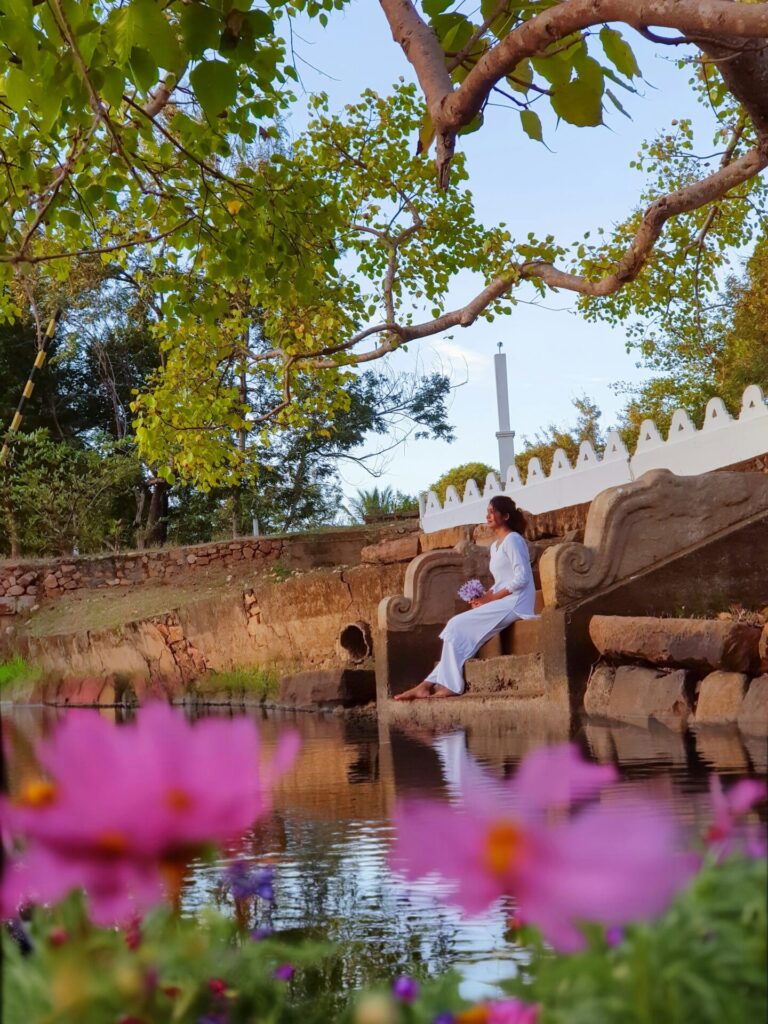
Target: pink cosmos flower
x=126 y=806
x=609 y=863
x=501 y=1011
x=512 y=1011
x=724 y=835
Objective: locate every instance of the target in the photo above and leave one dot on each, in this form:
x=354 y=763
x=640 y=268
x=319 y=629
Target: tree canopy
x=459 y=476
x=145 y=137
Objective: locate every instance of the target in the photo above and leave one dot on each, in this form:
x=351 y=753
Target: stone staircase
x=510 y=664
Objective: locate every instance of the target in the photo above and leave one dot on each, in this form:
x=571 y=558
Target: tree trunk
x=157 y=519
x=238 y=489
x=141 y=500
x=13 y=533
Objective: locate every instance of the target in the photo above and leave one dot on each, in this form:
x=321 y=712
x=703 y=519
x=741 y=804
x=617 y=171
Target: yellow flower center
x=474 y=1015
x=37 y=793
x=178 y=800
x=112 y=842
x=503 y=844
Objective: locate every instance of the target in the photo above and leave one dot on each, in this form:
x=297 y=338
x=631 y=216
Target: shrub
x=459 y=476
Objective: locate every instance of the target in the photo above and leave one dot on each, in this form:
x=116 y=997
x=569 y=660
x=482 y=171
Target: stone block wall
x=24 y=584
x=711 y=672
x=285 y=627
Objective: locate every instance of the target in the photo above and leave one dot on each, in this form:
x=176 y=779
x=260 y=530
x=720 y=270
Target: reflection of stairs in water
x=509 y=663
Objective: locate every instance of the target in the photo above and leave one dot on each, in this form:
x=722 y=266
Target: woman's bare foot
x=419 y=692
x=443 y=691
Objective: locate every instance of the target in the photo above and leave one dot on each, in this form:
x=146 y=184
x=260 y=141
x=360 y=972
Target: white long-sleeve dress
x=463 y=634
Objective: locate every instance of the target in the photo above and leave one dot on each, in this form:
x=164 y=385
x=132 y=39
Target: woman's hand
x=481 y=600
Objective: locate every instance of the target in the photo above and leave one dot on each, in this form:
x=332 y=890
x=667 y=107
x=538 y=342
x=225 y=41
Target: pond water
x=329 y=832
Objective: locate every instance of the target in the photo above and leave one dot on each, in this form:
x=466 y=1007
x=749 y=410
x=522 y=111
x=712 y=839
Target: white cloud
x=451 y=352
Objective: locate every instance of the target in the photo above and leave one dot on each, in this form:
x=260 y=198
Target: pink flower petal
x=512 y=1011
x=743 y=796
x=558 y=777
x=128 y=797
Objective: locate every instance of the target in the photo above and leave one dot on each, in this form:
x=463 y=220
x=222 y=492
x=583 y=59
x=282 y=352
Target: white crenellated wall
x=722 y=441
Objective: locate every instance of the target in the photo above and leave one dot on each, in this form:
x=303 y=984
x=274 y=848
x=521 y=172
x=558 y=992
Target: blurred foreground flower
x=243 y=881
x=128 y=806
x=503 y=1011
x=607 y=863
x=405 y=988
x=729 y=807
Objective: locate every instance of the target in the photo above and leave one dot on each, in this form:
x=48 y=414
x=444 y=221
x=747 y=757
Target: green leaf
x=580 y=102
x=426 y=134
x=434 y=7
x=48 y=102
x=611 y=74
x=154 y=32
x=120 y=27
x=619 y=52
x=473 y=126
x=616 y=103
x=531 y=125
x=521 y=76
x=260 y=24
x=112 y=85
x=556 y=69
x=143 y=68
x=200 y=28
x=453 y=30
x=501 y=25
x=18 y=89
x=215 y=85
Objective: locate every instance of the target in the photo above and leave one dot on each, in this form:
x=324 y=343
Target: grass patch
x=279 y=572
x=255 y=680
x=17 y=671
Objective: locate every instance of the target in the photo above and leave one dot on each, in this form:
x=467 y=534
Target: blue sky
x=583 y=182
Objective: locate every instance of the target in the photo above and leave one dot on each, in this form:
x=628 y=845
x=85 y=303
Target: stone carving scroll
x=633 y=527
x=429 y=591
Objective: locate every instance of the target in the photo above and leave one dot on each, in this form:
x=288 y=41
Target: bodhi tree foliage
x=148 y=126
x=572 y=56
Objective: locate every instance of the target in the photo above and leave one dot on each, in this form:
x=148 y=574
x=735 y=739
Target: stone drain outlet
x=355 y=643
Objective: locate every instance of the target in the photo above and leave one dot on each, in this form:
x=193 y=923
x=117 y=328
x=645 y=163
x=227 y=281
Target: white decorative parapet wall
x=722 y=441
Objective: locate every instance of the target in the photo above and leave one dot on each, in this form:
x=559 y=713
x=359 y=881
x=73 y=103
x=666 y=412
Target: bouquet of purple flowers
x=471 y=590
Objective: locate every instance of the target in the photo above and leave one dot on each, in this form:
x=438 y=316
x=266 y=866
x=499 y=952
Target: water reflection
x=329 y=832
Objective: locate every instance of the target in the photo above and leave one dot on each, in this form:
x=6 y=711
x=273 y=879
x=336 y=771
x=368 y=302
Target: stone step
x=520 y=638
x=510 y=675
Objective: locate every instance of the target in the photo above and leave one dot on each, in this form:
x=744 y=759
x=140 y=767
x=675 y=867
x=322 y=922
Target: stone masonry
x=25 y=584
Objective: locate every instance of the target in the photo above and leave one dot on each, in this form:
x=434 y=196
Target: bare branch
x=142 y=240
x=422 y=48
x=692 y=197
x=160 y=96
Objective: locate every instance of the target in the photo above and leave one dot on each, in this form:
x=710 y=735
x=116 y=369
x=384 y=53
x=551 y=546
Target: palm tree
x=376 y=503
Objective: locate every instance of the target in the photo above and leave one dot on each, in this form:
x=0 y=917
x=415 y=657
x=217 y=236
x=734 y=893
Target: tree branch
x=685 y=200
x=150 y=240
x=452 y=108
x=78 y=147
x=690 y=17
x=95 y=100
x=692 y=197
x=422 y=48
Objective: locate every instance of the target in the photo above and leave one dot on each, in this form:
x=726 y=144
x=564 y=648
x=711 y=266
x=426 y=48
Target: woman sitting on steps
x=511 y=597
